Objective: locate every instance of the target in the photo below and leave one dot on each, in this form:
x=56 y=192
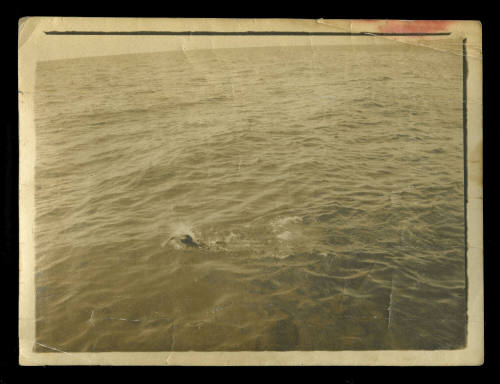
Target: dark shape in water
x=188 y=240
x=185 y=241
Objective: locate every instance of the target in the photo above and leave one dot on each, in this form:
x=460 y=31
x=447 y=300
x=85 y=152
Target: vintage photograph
x=259 y=191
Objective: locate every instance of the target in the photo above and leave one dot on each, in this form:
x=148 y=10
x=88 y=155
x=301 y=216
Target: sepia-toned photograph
x=201 y=186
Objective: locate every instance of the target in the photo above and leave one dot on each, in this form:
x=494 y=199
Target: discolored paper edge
x=35 y=46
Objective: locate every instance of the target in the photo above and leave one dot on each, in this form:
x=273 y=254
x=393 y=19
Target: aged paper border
x=34 y=46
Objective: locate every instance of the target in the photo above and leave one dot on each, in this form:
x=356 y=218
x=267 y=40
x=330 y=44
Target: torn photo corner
x=250 y=192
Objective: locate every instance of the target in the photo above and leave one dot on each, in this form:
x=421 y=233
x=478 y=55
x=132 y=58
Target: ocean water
x=281 y=198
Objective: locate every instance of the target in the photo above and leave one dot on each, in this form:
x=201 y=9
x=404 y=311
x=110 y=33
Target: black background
x=11 y=372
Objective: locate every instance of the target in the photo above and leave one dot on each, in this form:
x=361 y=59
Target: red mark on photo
x=416 y=26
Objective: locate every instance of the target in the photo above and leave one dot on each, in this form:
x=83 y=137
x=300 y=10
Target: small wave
x=436 y=150
x=287 y=235
x=372 y=104
x=383 y=78
x=281 y=221
x=215 y=99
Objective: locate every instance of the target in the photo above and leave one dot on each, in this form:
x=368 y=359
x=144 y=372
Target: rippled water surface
x=251 y=199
